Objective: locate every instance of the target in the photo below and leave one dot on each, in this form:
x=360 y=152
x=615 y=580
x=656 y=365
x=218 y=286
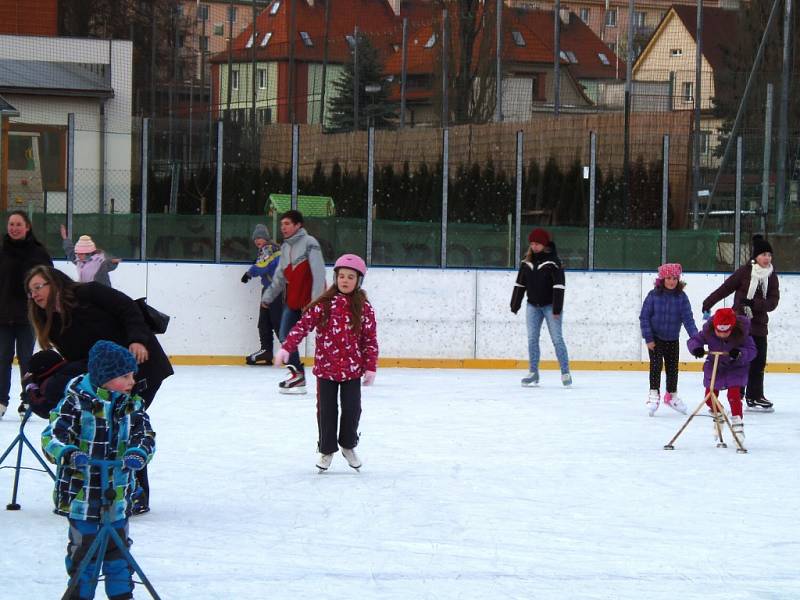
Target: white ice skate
x=324 y=462
x=738 y=426
x=351 y=457
x=674 y=402
x=653 y=400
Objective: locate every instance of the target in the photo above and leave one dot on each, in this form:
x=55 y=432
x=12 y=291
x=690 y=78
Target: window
x=234 y=80
x=611 y=17
x=52 y=152
x=202 y=12
x=262 y=79
x=351 y=41
x=181 y=41
x=266 y=39
x=639 y=18
x=676 y=52
x=686 y=91
x=603 y=58
x=518 y=39
x=219 y=29
x=306 y=39
x=203 y=43
x=431 y=41
x=704 y=137
x=571 y=57
x=231 y=14
x=264 y=116
x=563 y=56
x=585 y=15
x=249 y=43
x=273 y=10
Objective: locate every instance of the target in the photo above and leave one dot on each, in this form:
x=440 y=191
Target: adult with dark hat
x=541 y=276
x=46 y=379
x=755 y=294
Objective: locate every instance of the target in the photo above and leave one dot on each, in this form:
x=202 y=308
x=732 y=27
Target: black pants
x=148 y=395
x=666 y=353
x=327 y=414
x=755 y=379
x=269 y=322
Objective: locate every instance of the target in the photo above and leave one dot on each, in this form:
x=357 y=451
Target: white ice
x=472 y=488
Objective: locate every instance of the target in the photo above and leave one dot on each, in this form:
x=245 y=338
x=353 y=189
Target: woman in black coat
x=72 y=316
x=20 y=252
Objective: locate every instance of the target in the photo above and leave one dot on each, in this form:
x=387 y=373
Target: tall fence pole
x=698 y=73
x=445 y=70
x=356 y=84
x=664 y=197
x=70 y=171
x=767 y=158
x=370 y=188
x=145 y=191
x=557 y=58
x=626 y=150
x=592 y=198
x=783 y=119
x=403 y=69
x=445 y=178
x=737 y=219
x=518 y=201
x=295 y=162
x=498 y=107
x=218 y=207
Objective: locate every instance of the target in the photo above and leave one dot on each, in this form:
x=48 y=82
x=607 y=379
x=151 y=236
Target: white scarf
x=758 y=276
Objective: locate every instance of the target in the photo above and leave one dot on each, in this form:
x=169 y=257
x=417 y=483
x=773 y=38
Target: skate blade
x=295 y=391
x=759 y=410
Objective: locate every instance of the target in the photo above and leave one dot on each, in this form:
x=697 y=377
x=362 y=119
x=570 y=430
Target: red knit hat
x=540 y=236
x=724 y=319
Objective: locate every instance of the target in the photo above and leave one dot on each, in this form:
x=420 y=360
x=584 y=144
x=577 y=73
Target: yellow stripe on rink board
x=481 y=363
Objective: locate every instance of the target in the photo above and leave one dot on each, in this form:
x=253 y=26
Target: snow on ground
x=472 y=488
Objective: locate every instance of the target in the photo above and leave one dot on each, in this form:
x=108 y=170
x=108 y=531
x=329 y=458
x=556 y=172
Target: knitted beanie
x=724 y=319
x=760 y=245
x=670 y=270
x=108 y=360
x=85 y=245
x=261 y=233
x=540 y=236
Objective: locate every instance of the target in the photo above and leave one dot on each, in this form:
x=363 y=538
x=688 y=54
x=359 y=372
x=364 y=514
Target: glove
x=706 y=315
x=746 y=302
x=245 y=277
x=369 y=377
x=699 y=352
x=133 y=461
x=734 y=353
x=281 y=358
x=78 y=459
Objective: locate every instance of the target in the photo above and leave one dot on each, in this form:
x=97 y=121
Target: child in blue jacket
x=665 y=309
x=269 y=319
x=99 y=418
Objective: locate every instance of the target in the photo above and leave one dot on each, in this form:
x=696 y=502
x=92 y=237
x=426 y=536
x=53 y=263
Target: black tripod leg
x=129 y=557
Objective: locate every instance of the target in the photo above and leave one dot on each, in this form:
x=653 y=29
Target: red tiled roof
x=718 y=27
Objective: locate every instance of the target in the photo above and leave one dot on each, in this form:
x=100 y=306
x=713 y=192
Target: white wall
x=433 y=313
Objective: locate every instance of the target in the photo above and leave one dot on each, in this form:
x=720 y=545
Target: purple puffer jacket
x=730 y=373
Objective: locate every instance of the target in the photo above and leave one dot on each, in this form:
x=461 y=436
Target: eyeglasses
x=35 y=288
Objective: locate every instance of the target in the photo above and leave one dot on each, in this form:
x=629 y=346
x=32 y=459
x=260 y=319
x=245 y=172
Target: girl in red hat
x=730 y=334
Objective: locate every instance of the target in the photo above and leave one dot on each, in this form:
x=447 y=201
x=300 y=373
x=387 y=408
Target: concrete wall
x=433 y=313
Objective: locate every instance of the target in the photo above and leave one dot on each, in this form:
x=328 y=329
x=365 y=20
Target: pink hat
x=670 y=270
x=85 y=245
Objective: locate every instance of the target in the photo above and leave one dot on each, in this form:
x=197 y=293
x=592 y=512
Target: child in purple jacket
x=730 y=334
x=665 y=309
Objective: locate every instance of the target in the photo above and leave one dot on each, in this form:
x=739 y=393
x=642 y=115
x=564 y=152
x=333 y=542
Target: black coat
x=543 y=280
x=50 y=388
x=103 y=313
x=17 y=257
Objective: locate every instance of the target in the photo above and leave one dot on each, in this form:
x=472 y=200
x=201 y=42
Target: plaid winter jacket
x=663 y=313
x=104 y=425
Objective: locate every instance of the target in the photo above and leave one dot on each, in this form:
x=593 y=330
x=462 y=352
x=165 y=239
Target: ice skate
x=324 y=462
x=653 y=400
x=260 y=357
x=738 y=427
x=351 y=457
x=759 y=405
x=566 y=379
x=531 y=379
x=3 y=408
x=672 y=400
x=719 y=418
x=295 y=384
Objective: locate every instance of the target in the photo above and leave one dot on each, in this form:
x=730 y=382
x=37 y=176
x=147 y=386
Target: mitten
x=706 y=315
x=281 y=358
x=699 y=352
x=734 y=353
x=133 y=461
x=369 y=377
x=78 y=459
x=245 y=277
x=746 y=302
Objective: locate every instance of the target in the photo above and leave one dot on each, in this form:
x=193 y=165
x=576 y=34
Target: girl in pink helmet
x=346 y=350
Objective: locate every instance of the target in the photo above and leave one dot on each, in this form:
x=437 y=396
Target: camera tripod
x=717 y=411
x=106 y=533
x=22 y=440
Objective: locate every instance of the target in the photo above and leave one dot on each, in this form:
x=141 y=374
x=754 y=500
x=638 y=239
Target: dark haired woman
x=21 y=251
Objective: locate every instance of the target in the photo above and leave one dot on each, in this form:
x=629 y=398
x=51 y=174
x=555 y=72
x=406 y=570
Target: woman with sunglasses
x=20 y=252
x=71 y=317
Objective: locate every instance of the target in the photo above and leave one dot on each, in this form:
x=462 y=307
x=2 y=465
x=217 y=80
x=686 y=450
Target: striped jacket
x=104 y=425
x=543 y=280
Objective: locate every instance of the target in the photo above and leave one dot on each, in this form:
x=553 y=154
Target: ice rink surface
x=472 y=488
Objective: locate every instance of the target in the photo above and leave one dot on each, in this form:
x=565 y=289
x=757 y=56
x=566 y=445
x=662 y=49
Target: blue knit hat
x=108 y=360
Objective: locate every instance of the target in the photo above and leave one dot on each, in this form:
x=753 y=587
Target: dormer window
x=431 y=41
x=249 y=43
x=266 y=39
x=273 y=10
x=518 y=39
x=306 y=38
x=603 y=58
x=351 y=41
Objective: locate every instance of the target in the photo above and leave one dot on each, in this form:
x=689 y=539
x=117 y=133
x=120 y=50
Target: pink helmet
x=351 y=261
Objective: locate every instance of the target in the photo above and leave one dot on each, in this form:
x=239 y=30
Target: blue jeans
x=19 y=337
x=534 y=315
x=288 y=320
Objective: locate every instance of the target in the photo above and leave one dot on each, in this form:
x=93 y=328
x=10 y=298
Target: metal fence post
x=295 y=162
x=445 y=177
x=145 y=191
x=370 y=188
x=767 y=159
x=664 y=198
x=518 y=202
x=70 y=171
x=737 y=228
x=218 y=209
x=592 y=197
